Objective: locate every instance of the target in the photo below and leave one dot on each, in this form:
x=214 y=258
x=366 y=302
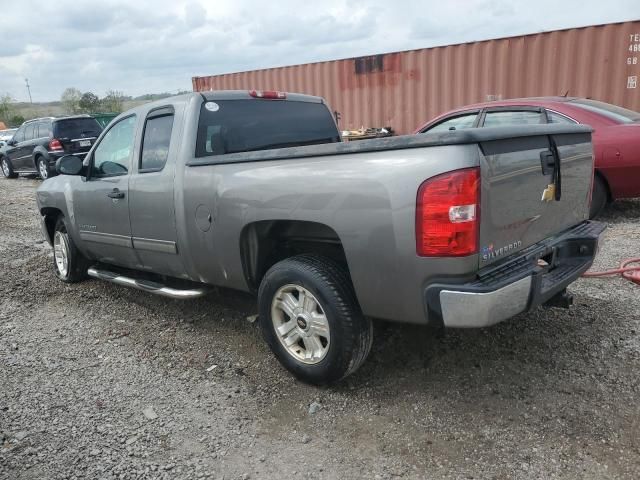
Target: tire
x=69 y=264
x=327 y=335
x=599 y=197
x=7 y=168
x=43 y=168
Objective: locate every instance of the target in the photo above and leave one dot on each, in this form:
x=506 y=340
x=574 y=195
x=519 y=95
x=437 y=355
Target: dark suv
x=38 y=143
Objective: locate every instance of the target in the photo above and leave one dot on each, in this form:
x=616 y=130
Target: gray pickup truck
x=254 y=191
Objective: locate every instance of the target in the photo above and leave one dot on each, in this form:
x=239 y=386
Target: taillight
x=447 y=214
x=268 y=94
x=55 y=145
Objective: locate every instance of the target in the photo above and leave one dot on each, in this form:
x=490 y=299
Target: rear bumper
x=520 y=283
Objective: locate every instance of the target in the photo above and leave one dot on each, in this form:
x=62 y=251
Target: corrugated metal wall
x=404 y=89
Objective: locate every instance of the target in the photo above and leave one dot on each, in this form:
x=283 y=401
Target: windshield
x=73 y=128
x=613 y=112
x=232 y=126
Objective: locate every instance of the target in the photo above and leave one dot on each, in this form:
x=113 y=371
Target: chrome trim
x=85 y=138
x=475 y=310
x=106 y=238
x=562 y=115
x=153 y=245
x=147 y=286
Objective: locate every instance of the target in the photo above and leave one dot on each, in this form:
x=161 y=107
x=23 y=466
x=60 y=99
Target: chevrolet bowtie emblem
x=548 y=193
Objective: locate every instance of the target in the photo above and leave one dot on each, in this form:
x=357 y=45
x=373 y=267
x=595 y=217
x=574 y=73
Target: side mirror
x=11 y=142
x=69 y=165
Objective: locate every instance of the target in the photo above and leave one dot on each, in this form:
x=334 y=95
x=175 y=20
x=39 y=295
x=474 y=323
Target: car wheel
x=311 y=320
x=69 y=264
x=43 y=168
x=7 y=168
x=599 y=197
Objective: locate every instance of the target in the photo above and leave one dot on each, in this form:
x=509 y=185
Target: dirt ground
x=99 y=381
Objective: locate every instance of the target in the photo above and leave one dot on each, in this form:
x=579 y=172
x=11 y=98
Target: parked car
x=38 y=143
x=6 y=135
x=201 y=189
x=616 y=135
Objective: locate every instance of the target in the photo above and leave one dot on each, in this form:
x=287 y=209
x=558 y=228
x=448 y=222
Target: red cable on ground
x=630 y=273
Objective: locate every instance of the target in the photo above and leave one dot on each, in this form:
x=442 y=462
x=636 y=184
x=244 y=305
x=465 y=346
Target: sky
x=139 y=46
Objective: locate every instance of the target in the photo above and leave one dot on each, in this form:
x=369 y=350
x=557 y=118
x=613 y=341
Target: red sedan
x=616 y=136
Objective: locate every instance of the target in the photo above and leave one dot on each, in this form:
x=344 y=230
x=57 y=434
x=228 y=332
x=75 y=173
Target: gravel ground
x=100 y=381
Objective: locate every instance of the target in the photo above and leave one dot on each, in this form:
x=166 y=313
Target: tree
x=16 y=120
x=113 y=101
x=89 y=102
x=70 y=100
x=6 y=108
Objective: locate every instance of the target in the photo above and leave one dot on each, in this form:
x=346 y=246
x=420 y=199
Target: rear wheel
x=599 y=197
x=311 y=319
x=43 y=168
x=7 y=168
x=69 y=264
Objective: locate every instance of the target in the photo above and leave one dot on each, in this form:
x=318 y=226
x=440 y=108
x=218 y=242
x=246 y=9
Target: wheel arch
x=602 y=176
x=38 y=152
x=264 y=243
x=51 y=215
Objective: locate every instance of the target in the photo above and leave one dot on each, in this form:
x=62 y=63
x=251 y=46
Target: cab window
x=455 y=123
x=155 y=143
x=112 y=156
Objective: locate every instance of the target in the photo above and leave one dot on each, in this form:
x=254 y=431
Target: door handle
x=115 y=193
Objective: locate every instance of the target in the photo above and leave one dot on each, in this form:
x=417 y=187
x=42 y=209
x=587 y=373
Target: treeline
x=74 y=101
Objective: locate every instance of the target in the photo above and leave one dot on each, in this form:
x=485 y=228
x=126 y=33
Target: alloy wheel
x=61 y=253
x=42 y=168
x=300 y=324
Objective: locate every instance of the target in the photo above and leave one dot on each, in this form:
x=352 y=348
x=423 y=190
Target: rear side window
x=558 y=118
x=456 y=123
x=73 y=128
x=232 y=126
x=29 y=131
x=509 y=118
x=44 y=129
x=155 y=143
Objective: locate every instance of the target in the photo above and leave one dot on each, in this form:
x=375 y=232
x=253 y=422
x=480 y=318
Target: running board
x=146 y=285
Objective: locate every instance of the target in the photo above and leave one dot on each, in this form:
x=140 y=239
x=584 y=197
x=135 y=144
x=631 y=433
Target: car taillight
x=268 y=94
x=447 y=214
x=55 y=145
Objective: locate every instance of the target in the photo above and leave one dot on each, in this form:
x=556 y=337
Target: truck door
x=101 y=203
x=151 y=200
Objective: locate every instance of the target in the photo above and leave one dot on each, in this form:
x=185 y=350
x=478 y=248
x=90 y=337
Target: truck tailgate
x=523 y=198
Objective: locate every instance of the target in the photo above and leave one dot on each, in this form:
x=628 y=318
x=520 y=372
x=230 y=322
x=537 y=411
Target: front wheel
x=311 y=320
x=69 y=264
x=7 y=168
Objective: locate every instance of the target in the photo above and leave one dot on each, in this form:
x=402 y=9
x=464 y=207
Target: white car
x=6 y=135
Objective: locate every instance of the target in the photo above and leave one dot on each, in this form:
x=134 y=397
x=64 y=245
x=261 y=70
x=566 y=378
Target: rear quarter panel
x=368 y=199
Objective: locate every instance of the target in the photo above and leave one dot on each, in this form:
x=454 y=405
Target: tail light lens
x=447 y=214
x=268 y=94
x=55 y=145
